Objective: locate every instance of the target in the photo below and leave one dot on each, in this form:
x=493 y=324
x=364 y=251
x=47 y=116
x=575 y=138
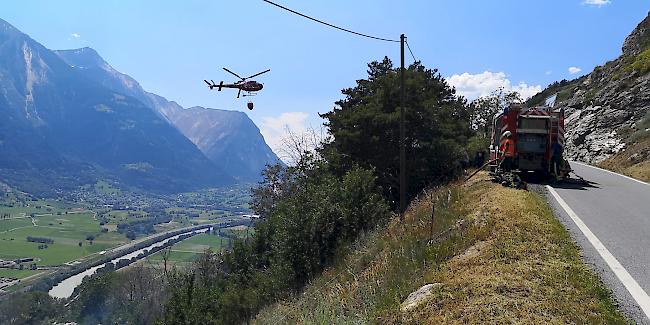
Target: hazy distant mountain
x=90 y=64
x=61 y=129
x=229 y=138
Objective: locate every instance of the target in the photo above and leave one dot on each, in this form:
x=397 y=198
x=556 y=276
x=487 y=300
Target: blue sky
x=170 y=46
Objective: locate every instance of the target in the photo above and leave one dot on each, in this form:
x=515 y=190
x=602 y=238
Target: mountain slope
x=608 y=110
x=229 y=138
x=60 y=129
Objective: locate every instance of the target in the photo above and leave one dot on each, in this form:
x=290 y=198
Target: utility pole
x=402 y=135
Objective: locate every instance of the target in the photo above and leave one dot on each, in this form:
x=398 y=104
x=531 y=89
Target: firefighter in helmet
x=558 y=166
x=507 y=151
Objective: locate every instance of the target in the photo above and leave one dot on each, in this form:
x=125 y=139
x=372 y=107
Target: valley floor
x=492 y=255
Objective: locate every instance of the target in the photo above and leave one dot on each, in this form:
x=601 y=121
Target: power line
x=409 y=47
x=402 y=40
x=330 y=25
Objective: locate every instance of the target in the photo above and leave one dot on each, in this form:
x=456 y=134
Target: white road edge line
x=611 y=172
x=639 y=295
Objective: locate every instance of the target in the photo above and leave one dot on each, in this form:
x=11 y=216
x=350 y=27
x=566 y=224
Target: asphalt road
x=614 y=211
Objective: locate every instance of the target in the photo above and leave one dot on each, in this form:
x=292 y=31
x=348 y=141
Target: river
x=65 y=288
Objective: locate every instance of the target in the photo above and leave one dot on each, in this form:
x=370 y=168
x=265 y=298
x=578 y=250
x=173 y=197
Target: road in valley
x=610 y=219
x=65 y=288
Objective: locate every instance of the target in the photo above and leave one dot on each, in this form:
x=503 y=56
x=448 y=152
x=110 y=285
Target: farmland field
x=201 y=242
x=187 y=250
x=67 y=231
x=8 y=224
x=64 y=232
x=17 y=274
x=12 y=206
x=239 y=231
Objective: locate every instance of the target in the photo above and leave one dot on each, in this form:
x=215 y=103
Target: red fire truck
x=537 y=134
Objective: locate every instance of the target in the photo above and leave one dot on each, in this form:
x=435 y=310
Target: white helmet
x=507 y=134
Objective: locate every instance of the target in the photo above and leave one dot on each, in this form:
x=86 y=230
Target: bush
x=304 y=228
x=29 y=308
x=41 y=240
x=641 y=63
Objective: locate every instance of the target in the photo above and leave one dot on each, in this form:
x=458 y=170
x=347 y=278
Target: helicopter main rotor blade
x=255 y=75
x=236 y=75
x=207 y=82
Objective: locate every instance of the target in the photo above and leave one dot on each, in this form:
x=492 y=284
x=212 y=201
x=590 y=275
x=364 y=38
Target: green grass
x=201 y=242
x=522 y=268
x=187 y=250
x=565 y=94
x=22 y=208
x=175 y=257
x=66 y=231
x=17 y=274
x=239 y=232
x=640 y=63
x=17 y=204
x=8 y=224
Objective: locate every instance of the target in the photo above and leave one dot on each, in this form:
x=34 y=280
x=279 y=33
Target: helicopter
x=249 y=86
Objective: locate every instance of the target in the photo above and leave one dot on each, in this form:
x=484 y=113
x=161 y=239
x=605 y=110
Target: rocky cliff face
x=638 y=40
x=607 y=109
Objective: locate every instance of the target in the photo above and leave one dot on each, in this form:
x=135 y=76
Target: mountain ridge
x=228 y=138
x=61 y=130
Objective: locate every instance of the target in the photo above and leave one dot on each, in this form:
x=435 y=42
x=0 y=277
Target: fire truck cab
x=537 y=134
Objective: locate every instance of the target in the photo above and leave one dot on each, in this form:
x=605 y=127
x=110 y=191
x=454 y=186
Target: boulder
x=419 y=296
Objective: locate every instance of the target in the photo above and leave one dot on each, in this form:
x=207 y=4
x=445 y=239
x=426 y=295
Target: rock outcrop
x=604 y=107
x=419 y=296
x=639 y=39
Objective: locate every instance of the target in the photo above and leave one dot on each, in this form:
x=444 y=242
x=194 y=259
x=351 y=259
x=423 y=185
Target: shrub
x=641 y=63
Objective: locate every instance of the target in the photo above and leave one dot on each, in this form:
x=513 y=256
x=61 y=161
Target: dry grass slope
x=632 y=162
x=499 y=253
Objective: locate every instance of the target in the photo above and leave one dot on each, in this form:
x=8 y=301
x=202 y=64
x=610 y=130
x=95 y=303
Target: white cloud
x=596 y=3
x=472 y=86
x=274 y=128
x=75 y=35
x=574 y=70
x=549 y=72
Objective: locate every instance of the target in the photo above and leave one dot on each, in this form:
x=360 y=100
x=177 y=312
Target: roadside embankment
x=634 y=161
x=489 y=255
